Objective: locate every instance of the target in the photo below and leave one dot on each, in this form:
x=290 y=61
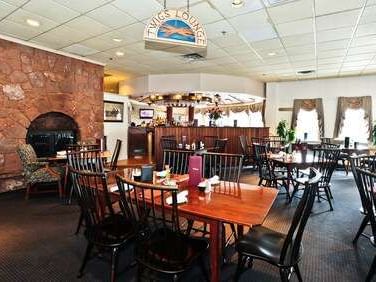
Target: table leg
x=215 y=249
x=240 y=230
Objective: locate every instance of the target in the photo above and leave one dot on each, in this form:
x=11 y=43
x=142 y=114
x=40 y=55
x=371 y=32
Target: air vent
x=192 y=57
x=270 y=3
x=305 y=72
x=107 y=75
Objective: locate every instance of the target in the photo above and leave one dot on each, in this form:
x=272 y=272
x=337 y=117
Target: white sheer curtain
x=307 y=122
x=354 y=126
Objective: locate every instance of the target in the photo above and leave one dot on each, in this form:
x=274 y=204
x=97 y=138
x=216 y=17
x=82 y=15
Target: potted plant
x=214 y=114
x=374 y=135
x=286 y=134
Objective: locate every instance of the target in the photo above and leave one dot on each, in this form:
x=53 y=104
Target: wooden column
x=169 y=114
x=191 y=113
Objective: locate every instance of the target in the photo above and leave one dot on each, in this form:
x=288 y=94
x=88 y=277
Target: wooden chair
x=275 y=248
x=220 y=145
x=36 y=171
x=366 y=163
x=87 y=161
x=247 y=153
x=367 y=180
x=115 y=156
x=161 y=247
x=227 y=166
x=178 y=160
x=168 y=143
x=325 y=161
x=104 y=230
x=209 y=140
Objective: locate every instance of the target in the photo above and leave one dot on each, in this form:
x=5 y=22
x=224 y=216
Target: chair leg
x=361 y=228
x=328 y=197
x=60 y=189
x=239 y=268
x=114 y=261
x=86 y=258
x=189 y=226
x=65 y=180
x=284 y=274
x=372 y=270
x=28 y=189
x=80 y=221
x=298 y=274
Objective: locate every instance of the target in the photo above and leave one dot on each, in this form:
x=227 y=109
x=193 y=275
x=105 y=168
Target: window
x=307 y=122
x=253 y=119
x=354 y=126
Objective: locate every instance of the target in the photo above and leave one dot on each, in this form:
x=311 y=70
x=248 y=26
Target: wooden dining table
x=242 y=204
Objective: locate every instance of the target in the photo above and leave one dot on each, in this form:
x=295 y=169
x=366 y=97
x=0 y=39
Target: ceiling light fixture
x=117 y=40
x=32 y=22
x=272 y=53
x=237 y=3
x=119 y=53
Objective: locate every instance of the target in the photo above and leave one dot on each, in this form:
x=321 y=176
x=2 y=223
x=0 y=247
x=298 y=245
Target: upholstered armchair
x=36 y=171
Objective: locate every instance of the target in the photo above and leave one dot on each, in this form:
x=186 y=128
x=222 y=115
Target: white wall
x=117 y=130
x=282 y=94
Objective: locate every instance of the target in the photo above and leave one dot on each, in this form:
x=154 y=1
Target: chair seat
x=43 y=175
x=263 y=243
x=168 y=251
x=111 y=232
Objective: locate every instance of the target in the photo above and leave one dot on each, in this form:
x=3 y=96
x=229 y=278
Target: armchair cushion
x=43 y=175
x=33 y=166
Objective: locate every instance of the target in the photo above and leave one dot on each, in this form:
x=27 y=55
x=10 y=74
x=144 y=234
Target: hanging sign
x=175 y=27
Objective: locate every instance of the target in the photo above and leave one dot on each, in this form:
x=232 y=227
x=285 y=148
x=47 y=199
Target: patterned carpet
x=37 y=241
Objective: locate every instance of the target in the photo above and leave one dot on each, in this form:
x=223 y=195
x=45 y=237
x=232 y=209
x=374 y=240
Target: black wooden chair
x=227 y=166
x=220 y=145
x=268 y=174
x=168 y=143
x=87 y=161
x=115 y=156
x=246 y=150
x=367 y=180
x=325 y=160
x=209 y=140
x=275 y=143
x=104 y=230
x=367 y=163
x=178 y=160
x=161 y=247
x=278 y=249
x=343 y=157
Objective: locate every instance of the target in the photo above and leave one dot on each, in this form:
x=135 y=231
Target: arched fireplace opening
x=52 y=132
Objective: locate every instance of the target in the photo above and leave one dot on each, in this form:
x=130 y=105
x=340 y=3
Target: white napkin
x=214 y=180
x=181 y=198
x=115 y=188
x=61 y=153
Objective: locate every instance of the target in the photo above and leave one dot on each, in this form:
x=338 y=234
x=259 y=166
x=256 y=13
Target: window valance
x=258 y=107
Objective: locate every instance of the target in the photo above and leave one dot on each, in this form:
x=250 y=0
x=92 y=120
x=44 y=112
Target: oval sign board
x=177 y=27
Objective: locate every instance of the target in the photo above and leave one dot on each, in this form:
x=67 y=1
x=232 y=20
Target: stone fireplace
x=35 y=82
x=52 y=132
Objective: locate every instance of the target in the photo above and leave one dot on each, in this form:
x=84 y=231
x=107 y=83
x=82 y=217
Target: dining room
x=187 y=140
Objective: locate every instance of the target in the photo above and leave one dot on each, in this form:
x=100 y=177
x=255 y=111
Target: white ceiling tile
x=111 y=16
x=338 y=20
x=293 y=11
x=259 y=33
x=360 y=57
x=98 y=44
x=90 y=26
x=51 y=10
x=366 y=29
x=20 y=16
x=63 y=34
x=335 y=44
x=327 y=7
x=140 y=9
x=253 y=19
x=215 y=30
x=296 y=40
x=173 y=4
x=369 y=15
x=226 y=8
x=270 y=44
x=80 y=50
x=15 y=2
x=17 y=30
x=205 y=13
x=364 y=40
x=134 y=31
x=82 y=6
x=302 y=57
x=296 y=27
x=362 y=49
x=6 y=9
x=332 y=60
x=227 y=40
x=331 y=53
x=334 y=34
x=303 y=49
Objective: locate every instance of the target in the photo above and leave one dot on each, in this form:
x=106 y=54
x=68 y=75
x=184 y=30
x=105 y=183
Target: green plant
x=287 y=134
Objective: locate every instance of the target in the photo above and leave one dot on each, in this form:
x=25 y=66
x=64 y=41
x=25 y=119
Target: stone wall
x=34 y=82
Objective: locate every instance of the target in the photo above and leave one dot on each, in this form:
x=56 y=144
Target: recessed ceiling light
x=237 y=3
x=117 y=40
x=272 y=53
x=32 y=22
x=119 y=53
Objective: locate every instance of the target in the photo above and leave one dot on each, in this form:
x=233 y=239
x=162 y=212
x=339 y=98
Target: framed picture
x=113 y=111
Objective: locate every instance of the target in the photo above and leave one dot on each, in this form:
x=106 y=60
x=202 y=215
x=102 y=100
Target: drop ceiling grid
x=287 y=29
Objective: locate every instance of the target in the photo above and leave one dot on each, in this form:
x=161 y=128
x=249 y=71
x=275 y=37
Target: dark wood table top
x=104 y=154
x=298 y=159
x=242 y=204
